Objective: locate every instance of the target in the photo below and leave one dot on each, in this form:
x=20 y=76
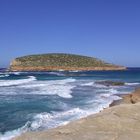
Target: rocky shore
x=50 y=68
x=119 y=122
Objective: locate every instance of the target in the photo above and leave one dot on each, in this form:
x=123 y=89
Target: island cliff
x=60 y=61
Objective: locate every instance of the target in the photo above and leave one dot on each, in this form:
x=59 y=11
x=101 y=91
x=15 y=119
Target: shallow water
x=34 y=101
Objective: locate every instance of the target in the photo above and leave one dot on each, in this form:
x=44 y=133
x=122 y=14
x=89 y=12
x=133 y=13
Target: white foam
x=17 y=73
x=47 y=120
x=58 y=89
x=113 y=91
x=51 y=120
x=57 y=73
x=132 y=84
x=88 y=84
x=110 y=91
x=75 y=71
x=94 y=84
x=9 y=135
x=99 y=86
x=6 y=75
x=4 y=83
x=105 y=95
x=61 y=70
x=62 y=88
x=112 y=97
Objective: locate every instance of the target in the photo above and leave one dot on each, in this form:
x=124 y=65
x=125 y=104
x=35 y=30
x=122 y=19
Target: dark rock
x=110 y=83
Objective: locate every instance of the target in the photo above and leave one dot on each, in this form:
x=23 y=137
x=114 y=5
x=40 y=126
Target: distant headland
x=60 y=61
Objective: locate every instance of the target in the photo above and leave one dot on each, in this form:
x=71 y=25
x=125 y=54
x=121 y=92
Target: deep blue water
x=34 y=101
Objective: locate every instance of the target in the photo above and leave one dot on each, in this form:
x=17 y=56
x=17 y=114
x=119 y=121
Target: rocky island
x=60 y=61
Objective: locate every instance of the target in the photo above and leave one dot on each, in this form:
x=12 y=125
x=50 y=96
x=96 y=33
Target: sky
x=106 y=29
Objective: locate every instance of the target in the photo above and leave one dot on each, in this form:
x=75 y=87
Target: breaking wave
x=132 y=84
x=88 y=84
x=93 y=98
x=46 y=121
x=62 y=88
x=5 y=83
x=6 y=75
x=57 y=73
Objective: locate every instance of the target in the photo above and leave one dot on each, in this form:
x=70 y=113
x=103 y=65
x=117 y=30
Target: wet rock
x=110 y=83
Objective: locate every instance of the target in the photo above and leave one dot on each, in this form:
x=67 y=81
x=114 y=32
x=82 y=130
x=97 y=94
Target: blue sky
x=106 y=29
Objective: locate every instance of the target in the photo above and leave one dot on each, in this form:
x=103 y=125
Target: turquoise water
x=34 y=101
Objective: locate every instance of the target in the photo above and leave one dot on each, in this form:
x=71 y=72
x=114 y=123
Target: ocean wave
x=93 y=84
x=9 y=135
x=112 y=91
x=109 y=96
x=62 y=88
x=56 y=73
x=75 y=71
x=6 y=75
x=61 y=70
x=132 y=84
x=17 y=73
x=46 y=121
x=88 y=84
x=5 y=83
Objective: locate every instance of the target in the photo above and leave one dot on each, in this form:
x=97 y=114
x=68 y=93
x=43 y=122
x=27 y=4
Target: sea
x=36 y=101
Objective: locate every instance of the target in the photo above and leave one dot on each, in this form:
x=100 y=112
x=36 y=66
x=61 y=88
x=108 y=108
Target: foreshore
x=119 y=122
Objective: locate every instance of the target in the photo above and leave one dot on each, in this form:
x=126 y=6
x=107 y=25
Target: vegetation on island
x=59 y=60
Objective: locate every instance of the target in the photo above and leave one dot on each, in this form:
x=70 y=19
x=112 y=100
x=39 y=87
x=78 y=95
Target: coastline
x=20 y=69
x=119 y=122
x=131 y=98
